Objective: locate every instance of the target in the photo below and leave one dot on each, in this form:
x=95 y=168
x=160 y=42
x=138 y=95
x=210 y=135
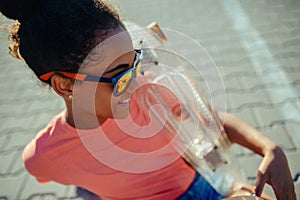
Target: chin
x=121 y=113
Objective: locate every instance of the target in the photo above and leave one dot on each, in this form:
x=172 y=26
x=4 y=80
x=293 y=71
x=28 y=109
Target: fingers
x=283 y=189
x=279 y=193
x=284 y=192
x=274 y=170
x=259 y=183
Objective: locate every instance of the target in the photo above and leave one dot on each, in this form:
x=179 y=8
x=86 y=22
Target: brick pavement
x=255 y=44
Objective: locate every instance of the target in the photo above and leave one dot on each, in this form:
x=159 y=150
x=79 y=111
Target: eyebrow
x=118 y=67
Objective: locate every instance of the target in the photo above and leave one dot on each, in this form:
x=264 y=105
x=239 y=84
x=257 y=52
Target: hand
x=274 y=170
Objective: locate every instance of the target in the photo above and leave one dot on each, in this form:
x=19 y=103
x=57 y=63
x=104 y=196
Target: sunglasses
x=121 y=81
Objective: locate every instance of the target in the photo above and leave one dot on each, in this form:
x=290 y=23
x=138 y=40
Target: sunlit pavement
x=255 y=44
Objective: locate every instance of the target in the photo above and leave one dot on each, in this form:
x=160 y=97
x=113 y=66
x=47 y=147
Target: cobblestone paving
x=255 y=44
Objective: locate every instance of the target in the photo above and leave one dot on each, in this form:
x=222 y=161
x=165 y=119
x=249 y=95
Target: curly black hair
x=57 y=35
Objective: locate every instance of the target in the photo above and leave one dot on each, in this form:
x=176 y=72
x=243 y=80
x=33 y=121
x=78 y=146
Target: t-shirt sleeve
x=35 y=163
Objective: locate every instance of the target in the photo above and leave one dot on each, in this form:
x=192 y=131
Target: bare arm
x=244 y=134
x=274 y=168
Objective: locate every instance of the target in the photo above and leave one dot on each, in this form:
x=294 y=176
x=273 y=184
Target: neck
x=83 y=121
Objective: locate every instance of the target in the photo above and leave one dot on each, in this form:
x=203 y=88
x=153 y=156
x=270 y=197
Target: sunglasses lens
x=123 y=83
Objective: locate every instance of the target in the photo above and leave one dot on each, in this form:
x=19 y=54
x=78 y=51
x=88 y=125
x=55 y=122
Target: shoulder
x=40 y=166
x=33 y=153
x=38 y=153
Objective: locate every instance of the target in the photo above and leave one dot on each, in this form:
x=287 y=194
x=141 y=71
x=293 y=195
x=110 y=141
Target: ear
x=62 y=86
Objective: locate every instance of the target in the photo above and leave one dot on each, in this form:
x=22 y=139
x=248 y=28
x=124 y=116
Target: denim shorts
x=200 y=189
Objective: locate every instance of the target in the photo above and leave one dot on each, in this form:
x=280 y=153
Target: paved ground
x=255 y=44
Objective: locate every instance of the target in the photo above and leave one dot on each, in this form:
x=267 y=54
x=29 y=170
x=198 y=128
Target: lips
x=124 y=101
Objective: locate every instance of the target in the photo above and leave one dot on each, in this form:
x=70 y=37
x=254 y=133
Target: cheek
x=106 y=104
x=103 y=98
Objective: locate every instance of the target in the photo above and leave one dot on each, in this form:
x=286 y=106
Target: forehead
x=104 y=54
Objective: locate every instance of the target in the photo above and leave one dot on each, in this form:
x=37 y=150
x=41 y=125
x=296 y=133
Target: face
x=93 y=100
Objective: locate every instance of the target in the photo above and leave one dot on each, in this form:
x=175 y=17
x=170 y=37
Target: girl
x=54 y=37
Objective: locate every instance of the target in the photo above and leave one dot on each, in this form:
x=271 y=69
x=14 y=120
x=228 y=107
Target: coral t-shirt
x=115 y=161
